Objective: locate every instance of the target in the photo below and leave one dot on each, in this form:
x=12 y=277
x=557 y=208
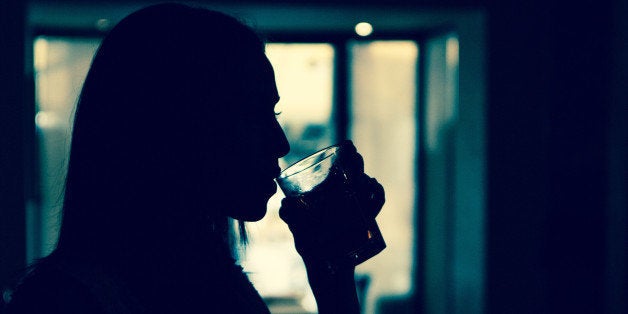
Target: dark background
x=556 y=145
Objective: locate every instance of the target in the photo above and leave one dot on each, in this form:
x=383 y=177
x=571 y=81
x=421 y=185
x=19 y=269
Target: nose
x=282 y=145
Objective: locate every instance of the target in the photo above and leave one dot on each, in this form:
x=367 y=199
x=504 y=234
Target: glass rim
x=289 y=171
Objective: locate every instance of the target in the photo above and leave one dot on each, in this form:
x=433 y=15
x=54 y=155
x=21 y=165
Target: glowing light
x=452 y=51
x=41 y=54
x=44 y=119
x=103 y=24
x=363 y=29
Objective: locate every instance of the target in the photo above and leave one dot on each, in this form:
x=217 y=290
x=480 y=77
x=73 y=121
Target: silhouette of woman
x=175 y=134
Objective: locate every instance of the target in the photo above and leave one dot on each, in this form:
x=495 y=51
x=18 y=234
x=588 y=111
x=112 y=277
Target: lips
x=272 y=187
x=271 y=172
x=266 y=180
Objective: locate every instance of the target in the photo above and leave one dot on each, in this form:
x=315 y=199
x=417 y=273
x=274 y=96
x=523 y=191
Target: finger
x=371 y=195
x=350 y=158
x=289 y=210
x=359 y=163
x=377 y=198
x=348 y=146
x=294 y=211
x=308 y=242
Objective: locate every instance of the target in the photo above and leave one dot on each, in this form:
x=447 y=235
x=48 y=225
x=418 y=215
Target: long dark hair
x=151 y=110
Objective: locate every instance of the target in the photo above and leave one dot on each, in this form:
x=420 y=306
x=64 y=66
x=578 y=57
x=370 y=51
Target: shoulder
x=46 y=289
x=244 y=293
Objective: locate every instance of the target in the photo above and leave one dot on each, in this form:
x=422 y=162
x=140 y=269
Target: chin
x=253 y=205
x=249 y=217
x=249 y=212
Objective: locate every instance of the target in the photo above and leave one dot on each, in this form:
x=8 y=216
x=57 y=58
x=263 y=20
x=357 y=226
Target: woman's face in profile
x=258 y=143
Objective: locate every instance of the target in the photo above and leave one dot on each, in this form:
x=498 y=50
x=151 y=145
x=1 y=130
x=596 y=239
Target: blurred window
x=384 y=129
x=61 y=64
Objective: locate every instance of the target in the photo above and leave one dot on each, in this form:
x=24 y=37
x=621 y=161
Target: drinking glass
x=327 y=181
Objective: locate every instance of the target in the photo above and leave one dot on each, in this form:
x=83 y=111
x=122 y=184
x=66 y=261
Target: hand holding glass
x=329 y=187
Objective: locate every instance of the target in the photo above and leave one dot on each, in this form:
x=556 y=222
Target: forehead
x=259 y=79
